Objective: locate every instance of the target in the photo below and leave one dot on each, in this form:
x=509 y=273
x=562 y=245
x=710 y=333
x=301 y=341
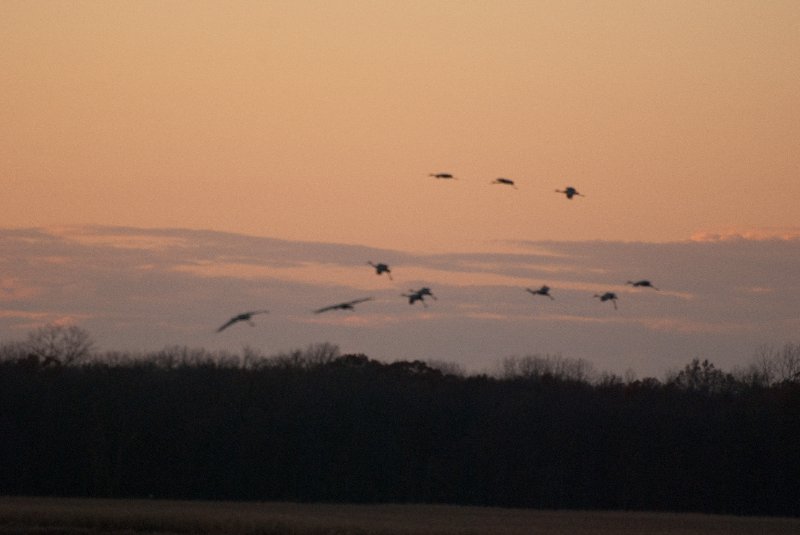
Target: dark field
x=68 y=516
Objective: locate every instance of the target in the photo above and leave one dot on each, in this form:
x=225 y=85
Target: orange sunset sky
x=167 y=164
x=320 y=120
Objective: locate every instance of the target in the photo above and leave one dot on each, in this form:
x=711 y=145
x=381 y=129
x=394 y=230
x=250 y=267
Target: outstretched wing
x=506 y=181
x=229 y=323
x=244 y=316
x=348 y=304
x=357 y=301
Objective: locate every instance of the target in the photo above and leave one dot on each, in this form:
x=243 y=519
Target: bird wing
x=342 y=305
x=356 y=301
x=228 y=324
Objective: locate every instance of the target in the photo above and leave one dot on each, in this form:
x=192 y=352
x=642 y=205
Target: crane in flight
x=442 y=175
x=608 y=296
x=419 y=295
x=413 y=297
x=381 y=268
x=642 y=284
x=544 y=290
x=425 y=291
x=570 y=192
x=244 y=316
x=343 y=306
x=506 y=181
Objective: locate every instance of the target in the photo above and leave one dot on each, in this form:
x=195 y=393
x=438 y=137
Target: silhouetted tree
x=702 y=377
x=772 y=365
x=537 y=366
x=189 y=423
x=59 y=344
x=13 y=351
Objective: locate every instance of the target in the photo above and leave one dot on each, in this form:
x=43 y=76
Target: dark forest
x=314 y=425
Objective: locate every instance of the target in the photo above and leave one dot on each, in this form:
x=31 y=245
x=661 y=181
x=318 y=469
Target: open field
x=65 y=516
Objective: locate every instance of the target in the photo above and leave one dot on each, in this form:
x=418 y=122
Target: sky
x=317 y=124
x=721 y=298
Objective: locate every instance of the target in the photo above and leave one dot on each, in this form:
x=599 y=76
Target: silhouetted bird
x=441 y=175
x=419 y=295
x=245 y=316
x=544 y=290
x=506 y=181
x=381 y=268
x=413 y=297
x=570 y=192
x=642 y=283
x=608 y=296
x=343 y=306
x=425 y=291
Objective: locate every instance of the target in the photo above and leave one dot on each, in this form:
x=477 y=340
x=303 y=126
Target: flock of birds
x=413 y=296
x=419 y=295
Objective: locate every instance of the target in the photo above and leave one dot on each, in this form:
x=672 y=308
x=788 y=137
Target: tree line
x=316 y=425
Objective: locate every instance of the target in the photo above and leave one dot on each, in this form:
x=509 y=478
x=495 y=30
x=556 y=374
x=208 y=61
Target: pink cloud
x=767 y=233
x=33 y=320
x=118 y=238
x=12 y=289
x=687 y=326
x=722 y=294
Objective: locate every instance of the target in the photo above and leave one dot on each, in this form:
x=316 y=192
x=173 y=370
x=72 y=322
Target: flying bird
x=244 y=316
x=608 y=296
x=343 y=306
x=544 y=290
x=419 y=295
x=570 y=192
x=381 y=268
x=506 y=181
x=413 y=297
x=642 y=283
x=442 y=175
x=425 y=291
